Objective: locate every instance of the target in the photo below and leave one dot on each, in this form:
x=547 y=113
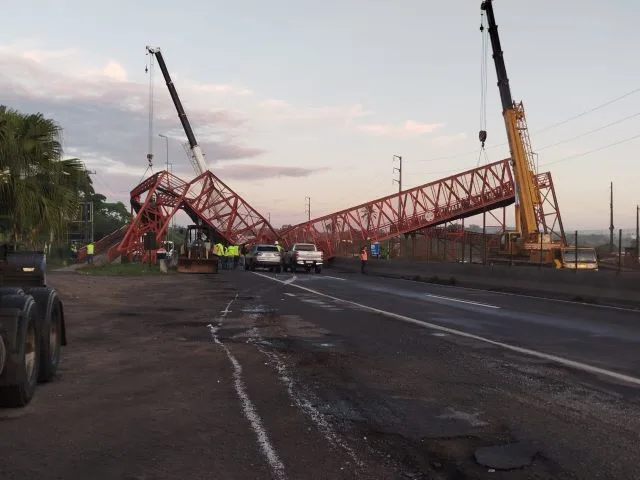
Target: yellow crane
x=529 y=240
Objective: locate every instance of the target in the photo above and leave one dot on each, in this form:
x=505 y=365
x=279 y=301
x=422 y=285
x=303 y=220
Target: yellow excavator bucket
x=197 y=265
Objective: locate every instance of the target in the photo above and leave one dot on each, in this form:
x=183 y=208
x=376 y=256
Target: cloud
x=282 y=111
x=447 y=140
x=260 y=172
x=103 y=109
x=409 y=128
x=43 y=55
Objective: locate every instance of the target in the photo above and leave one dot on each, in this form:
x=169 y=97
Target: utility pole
x=611 y=221
x=307 y=205
x=638 y=233
x=399 y=182
x=166 y=143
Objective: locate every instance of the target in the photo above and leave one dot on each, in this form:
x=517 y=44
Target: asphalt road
x=427 y=375
x=333 y=376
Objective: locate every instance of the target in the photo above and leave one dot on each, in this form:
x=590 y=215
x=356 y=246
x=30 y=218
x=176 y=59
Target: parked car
x=264 y=256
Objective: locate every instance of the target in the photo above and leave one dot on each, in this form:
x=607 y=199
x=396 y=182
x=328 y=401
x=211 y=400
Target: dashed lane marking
x=584 y=367
x=451 y=299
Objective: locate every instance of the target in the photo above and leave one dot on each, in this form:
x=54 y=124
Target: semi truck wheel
x=52 y=330
x=23 y=363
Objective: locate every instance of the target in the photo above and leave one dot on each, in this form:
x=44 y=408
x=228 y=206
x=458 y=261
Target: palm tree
x=39 y=191
x=369 y=215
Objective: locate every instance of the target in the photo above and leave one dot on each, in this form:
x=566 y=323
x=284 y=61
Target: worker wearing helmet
x=277 y=245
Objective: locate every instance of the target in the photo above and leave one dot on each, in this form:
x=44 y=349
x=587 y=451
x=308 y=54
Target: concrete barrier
x=602 y=287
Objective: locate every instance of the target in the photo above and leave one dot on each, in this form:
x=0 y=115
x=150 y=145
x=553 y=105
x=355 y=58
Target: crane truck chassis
x=32 y=327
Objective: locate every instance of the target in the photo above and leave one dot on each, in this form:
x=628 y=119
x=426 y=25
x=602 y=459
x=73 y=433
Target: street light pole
x=173 y=218
x=166 y=142
x=638 y=233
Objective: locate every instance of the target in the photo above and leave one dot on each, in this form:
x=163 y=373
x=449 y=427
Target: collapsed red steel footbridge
x=206 y=199
x=459 y=196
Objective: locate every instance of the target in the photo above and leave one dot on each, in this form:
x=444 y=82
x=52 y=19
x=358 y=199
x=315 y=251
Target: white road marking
x=289 y=280
x=290 y=294
x=247 y=406
x=299 y=400
x=335 y=278
x=525 y=351
x=535 y=297
x=462 y=301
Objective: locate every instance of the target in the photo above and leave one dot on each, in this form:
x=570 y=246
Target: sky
x=294 y=99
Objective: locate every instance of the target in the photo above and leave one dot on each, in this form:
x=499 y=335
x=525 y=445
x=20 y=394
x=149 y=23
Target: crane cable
x=484 y=54
x=149 y=69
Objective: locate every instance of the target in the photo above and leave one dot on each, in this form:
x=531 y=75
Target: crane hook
x=482 y=135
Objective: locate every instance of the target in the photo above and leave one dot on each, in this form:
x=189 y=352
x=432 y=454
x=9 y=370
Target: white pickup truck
x=303 y=255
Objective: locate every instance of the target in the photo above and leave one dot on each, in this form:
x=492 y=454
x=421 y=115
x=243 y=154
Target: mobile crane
x=195 y=254
x=528 y=242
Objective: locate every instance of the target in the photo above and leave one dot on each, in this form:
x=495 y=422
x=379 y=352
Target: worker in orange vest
x=363 y=259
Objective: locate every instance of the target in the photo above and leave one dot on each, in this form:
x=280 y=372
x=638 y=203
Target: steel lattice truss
x=547 y=211
x=206 y=199
x=458 y=196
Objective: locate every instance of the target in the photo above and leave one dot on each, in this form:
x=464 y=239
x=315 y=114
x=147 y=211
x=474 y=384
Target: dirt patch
x=141 y=392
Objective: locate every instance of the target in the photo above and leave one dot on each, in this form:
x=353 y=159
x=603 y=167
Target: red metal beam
x=458 y=196
x=206 y=199
x=548 y=211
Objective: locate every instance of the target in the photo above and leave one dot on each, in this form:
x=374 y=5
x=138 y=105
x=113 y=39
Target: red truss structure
x=206 y=199
x=104 y=244
x=547 y=211
x=459 y=196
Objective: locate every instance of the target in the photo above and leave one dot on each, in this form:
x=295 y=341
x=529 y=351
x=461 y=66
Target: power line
x=557 y=124
x=570 y=157
x=616 y=122
x=602 y=105
x=589 y=152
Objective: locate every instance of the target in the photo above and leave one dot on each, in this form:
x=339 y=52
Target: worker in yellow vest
x=228 y=256
x=218 y=250
x=236 y=256
x=90 y=249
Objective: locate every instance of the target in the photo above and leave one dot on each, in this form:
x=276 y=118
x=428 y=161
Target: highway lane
x=604 y=337
x=429 y=397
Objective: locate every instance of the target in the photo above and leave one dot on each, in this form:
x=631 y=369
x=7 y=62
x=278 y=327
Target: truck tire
x=318 y=269
x=11 y=291
x=51 y=316
x=25 y=362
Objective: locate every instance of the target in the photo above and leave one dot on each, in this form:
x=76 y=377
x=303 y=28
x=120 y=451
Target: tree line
x=41 y=192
